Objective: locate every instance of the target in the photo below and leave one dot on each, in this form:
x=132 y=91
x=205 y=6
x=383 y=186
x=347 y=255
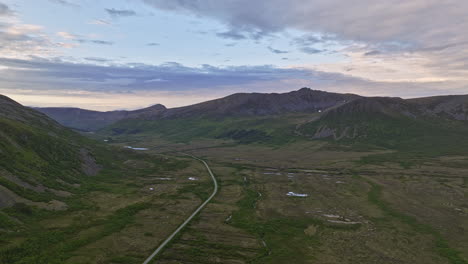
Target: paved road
x=215 y=190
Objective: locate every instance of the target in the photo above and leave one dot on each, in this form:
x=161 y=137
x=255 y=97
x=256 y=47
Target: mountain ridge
x=306 y=114
x=235 y=105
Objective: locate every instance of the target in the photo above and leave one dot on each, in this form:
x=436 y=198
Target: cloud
x=83 y=39
x=67 y=35
x=277 y=51
x=97 y=59
x=19 y=40
x=308 y=40
x=5 y=10
x=87 y=82
x=310 y=50
x=242 y=33
x=431 y=32
x=64 y=2
x=176 y=76
x=366 y=20
x=231 y=34
x=99 y=42
x=120 y=12
x=64 y=81
x=101 y=22
x=372 y=52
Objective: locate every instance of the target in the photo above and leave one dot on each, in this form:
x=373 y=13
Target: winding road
x=215 y=190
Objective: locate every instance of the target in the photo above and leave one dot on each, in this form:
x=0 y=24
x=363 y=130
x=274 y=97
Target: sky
x=128 y=54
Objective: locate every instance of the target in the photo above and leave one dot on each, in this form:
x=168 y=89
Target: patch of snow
x=151 y=189
x=297 y=194
x=163 y=179
x=106 y=140
x=192 y=178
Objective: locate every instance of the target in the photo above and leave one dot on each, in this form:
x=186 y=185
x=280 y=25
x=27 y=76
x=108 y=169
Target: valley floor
x=352 y=211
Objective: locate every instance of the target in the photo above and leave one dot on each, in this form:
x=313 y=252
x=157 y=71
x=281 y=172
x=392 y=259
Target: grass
x=269 y=130
x=54 y=237
x=32 y=242
x=441 y=245
x=284 y=236
x=201 y=190
x=55 y=246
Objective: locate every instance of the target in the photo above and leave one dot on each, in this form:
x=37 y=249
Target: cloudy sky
x=127 y=54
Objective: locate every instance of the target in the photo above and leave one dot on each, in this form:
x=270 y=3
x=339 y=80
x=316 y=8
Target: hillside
x=60 y=206
x=88 y=120
x=61 y=192
x=39 y=159
x=304 y=100
x=435 y=123
x=449 y=107
x=237 y=105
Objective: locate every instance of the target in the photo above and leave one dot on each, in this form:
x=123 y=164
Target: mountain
x=236 y=105
x=40 y=160
x=424 y=126
x=430 y=123
x=258 y=104
x=449 y=107
x=89 y=120
x=61 y=193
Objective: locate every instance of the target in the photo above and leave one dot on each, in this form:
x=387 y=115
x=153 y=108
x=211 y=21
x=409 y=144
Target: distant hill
x=428 y=126
x=260 y=104
x=236 y=105
x=450 y=106
x=89 y=120
x=388 y=122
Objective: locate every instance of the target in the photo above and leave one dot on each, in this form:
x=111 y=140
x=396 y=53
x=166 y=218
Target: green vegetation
x=272 y=130
x=441 y=245
x=415 y=213
x=40 y=160
x=284 y=237
x=35 y=155
x=55 y=246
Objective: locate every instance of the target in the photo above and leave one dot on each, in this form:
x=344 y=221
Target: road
x=215 y=190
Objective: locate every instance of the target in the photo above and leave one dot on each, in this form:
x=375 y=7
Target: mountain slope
x=89 y=120
x=237 y=105
x=39 y=159
x=449 y=107
x=432 y=123
x=391 y=123
x=62 y=193
x=258 y=104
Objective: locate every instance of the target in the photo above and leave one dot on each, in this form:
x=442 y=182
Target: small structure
x=130 y=147
x=293 y=194
x=151 y=189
